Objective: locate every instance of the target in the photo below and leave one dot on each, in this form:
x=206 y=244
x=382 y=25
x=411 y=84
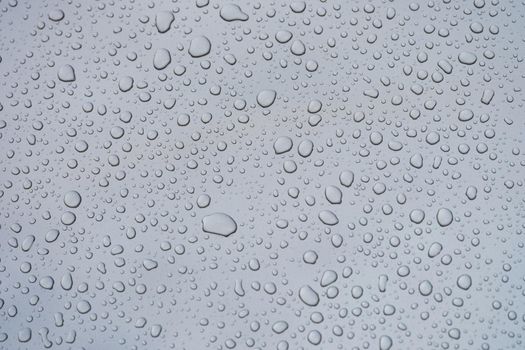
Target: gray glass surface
x=208 y=174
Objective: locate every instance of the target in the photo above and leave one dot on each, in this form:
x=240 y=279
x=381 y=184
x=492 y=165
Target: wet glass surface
x=262 y=174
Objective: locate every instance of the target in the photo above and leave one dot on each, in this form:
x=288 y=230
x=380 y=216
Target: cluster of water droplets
x=209 y=174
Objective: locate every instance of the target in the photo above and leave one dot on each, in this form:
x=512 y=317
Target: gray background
x=145 y=275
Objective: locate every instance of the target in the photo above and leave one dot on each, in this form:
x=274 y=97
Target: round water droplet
x=266 y=98
x=66 y=73
x=161 y=59
x=232 y=12
x=308 y=296
x=444 y=217
x=199 y=46
x=72 y=199
x=467 y=58
x=219 y=223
